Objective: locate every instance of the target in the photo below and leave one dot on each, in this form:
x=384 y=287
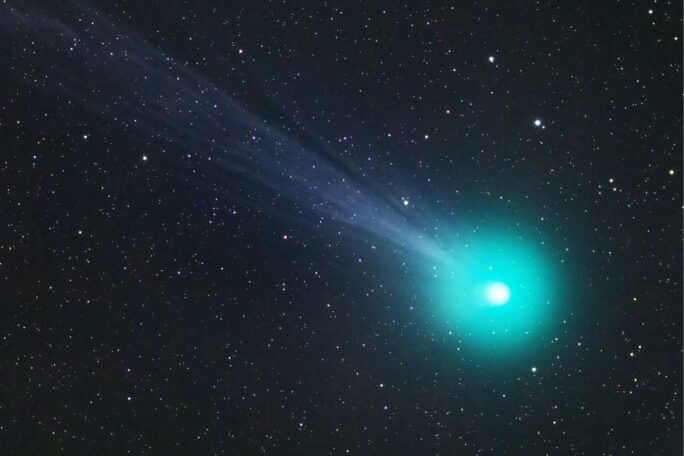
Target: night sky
x=343 y=227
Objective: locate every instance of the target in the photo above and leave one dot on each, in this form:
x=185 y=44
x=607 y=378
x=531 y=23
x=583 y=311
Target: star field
x=369 y=228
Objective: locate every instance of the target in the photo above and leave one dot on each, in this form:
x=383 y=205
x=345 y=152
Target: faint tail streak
x=120 y=77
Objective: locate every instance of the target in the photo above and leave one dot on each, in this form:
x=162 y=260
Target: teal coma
x=495 y=293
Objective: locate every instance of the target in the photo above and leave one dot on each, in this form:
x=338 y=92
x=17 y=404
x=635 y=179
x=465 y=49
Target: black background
x=146 y=311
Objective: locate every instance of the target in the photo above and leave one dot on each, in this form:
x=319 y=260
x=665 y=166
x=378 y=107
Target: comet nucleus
x=495 y=292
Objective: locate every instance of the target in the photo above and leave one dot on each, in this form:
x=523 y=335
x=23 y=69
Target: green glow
x=497 y=293
x=494 y=292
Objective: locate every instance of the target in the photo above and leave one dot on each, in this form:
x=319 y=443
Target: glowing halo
x=494 y=292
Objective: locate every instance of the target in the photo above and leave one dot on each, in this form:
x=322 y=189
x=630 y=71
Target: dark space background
x=158 y=306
